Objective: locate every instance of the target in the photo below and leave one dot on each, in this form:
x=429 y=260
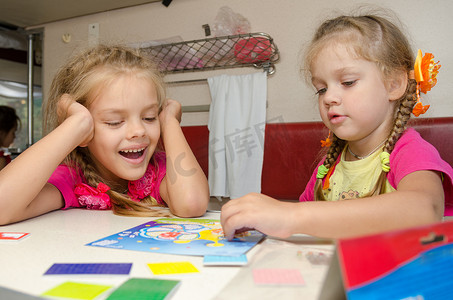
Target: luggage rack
x=242 y=50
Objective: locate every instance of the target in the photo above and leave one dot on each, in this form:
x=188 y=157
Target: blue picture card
x=220 y=260
x=89 y=268
x=181 y=236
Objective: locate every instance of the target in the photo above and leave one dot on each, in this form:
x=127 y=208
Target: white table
x=60 y=237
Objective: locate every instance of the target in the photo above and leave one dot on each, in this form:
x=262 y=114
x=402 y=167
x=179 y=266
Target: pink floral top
x=76 y=193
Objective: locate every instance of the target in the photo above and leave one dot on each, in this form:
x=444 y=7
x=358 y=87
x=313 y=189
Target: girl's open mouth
x=133 y=153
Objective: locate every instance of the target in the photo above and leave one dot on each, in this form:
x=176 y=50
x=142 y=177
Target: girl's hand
x=257 y=211
x=68 y=108
x=170 y=111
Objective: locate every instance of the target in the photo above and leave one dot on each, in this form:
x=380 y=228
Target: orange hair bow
x=425 y=73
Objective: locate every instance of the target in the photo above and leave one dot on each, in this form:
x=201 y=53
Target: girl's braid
x=333 y=152
x=403 y=115
x=83 y=160
x=331 y=157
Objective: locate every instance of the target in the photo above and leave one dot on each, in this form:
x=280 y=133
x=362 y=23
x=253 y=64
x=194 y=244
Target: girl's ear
x=397 y=85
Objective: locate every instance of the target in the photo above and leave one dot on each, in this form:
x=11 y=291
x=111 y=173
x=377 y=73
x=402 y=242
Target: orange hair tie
x=327 y=142
x=327 y=180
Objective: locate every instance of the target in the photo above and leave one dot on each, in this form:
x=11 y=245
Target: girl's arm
x=419 y=200
x=184 y=187
x=24 y=191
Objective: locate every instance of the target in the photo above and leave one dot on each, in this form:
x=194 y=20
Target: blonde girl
x=114 y=142
x=377 y=174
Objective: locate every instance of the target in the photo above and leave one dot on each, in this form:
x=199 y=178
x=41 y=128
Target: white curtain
x=237 y=119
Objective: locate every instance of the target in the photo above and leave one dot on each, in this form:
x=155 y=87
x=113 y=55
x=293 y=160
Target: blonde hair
x=82 y=77
x=378 y=40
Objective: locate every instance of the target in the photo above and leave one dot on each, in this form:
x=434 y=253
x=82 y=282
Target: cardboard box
x=411 y=264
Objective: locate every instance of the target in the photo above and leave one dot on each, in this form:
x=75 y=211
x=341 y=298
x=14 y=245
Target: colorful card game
x=180 y=236
x=13 y=236
x=172 y=268
x=219 y=260
x=76 y=290
x=143 y=288
x=89 y=268
x=278 y=277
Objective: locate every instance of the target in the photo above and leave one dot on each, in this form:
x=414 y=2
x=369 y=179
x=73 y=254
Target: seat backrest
x=292 y=151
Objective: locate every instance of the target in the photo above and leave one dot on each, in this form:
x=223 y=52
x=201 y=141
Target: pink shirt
x=412 y=153
x=65 y=179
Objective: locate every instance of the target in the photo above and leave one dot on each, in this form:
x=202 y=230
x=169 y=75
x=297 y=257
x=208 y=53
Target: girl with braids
x=377 y=175
x=109 y=123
